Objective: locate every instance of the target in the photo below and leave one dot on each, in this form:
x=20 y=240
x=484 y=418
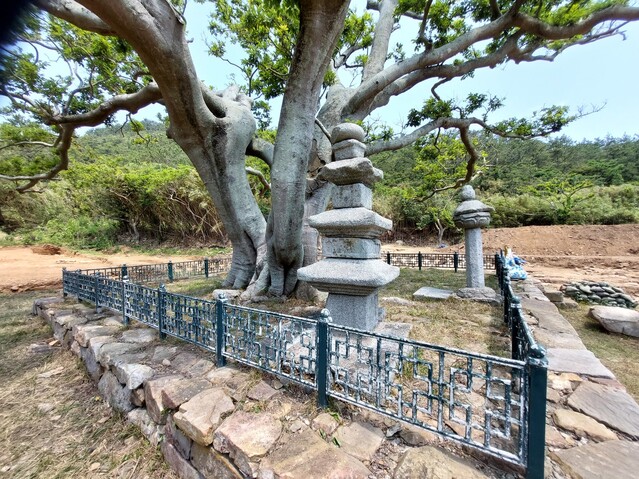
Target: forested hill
x=133 y=183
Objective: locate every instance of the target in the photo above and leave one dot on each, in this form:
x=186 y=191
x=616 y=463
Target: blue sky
x=605 y=73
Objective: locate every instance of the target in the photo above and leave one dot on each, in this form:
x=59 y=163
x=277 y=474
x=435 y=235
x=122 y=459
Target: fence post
x=124 y=272
x=456 y=261
x=538 y=378
x=219 y=329
x=388 y=257
x=507 y=296
x=125 y=318
x=496 y=261
x=321 y=366
x=419 y=260
x=170 y=270
x=206 y=267
x=95 y=288
x=64 y=283
x=513 y=321
x=160 y=308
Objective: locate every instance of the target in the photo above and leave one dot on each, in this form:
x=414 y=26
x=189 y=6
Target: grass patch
x=410 y=280
x=199 y=288
x=59 y=427
x=617 y=352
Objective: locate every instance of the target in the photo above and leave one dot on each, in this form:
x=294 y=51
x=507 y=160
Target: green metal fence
x=433 y=260
x=489 y=403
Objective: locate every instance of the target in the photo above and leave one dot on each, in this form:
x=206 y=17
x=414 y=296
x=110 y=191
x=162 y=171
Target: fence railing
x=486 y=402
x=433 y=260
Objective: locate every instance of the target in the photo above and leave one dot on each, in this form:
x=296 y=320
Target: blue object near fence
x=489 y=403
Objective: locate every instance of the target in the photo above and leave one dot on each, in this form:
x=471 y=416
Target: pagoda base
x=359 y=312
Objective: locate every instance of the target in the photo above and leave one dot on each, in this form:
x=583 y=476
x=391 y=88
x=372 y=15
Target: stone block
x=347 y=131
x=425 y=293
x=261 y=392
x=139 y=336
x=199 y=417
x=352 y=196
x=133 y=375
x=360 y=440
x=582 y=425
x=83 y=332
x=350 y=171
x=178 y=392
x=160 y=353
x=176 y=437
x=326 y=423
x=118 y=397
x=618 y=459
x=617 y=320
x=347 y=149
x=429 y=462
x=179 y=464
x=359 y=312
x=109 y=352
x=350 y=223
x=578 y=361
x=152 y=431
x=212 y=464
x=153 y=397
x=554 y=296
x=355 y=248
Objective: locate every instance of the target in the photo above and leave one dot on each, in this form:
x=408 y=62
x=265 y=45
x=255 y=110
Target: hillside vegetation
x=132 y=184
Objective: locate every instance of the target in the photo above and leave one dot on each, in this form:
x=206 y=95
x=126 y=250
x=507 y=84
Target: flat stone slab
x=351 y=170
x=582 y=425
x=360 y=440
x=429 y=462
x=83 y=332
x=578 y=361
x=427 y=292
x=139 y=336
x=110 y=352
x=133 y=375
x=306 y=455
x=350 y=223
x=617 y=320
x=348 y=276
x=261 y=392
x=482 y=294
x=618 y=459
x=613 y=407
x=199 y=417
x=178 y=392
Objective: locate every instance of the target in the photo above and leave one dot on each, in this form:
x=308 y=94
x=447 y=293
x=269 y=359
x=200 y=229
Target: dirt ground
x=555 y=255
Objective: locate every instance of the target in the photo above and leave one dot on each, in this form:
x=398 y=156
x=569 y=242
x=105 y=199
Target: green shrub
x=80 y=232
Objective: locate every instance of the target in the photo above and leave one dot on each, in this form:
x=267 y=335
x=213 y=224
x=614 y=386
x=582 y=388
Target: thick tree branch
x=381 y=39
x=375 y=5
x=260 y=175
x=261 y=149
x=76 y=14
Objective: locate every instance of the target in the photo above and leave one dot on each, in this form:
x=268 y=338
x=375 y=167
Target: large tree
x=126 y=54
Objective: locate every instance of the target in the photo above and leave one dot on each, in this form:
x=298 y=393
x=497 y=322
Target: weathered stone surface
x=180 y=465
x=480 y=294
x=579 y=361
x=415 y=436
x=352 y=196
x=426 y=293
x=229 y=376
x=230 y=294
x=109 y=352
x=183 y=362
x=612 y=407
x=349 y=171
x=133 y=375
x=306 y=455
x=176 y=437
x=617 y=320
x=346 y=149
x=350 y=223
x=556 y=439
x=474 y=255
x=152 y=431
x=618 y=459
x=351 y=277
x=199 y=417
x=360 y=440
x=137 y=397
x=139 y=336
x=160 y=353
x=554 y=295
x=582 y=425
x=118 y=397
x=356 y=248
x=261 y=392
x=325 y=422
x=212 y=464
x=153 y=396
x=200 y=368
x=567 y=303
x=178 y=392
x=347 y=131
x=429 y=462
x=247 y=437
x=359 y=312
x=83 y=332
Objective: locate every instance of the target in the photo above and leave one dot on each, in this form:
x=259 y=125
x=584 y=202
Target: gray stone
x=350 y=171
x=176 y=437
x=346 y=149
x=178 y=392
x=360 y=440
x=474 y=258
x=359 y=312
x=578 y=361
x=306 y=455
x=153 y=397
x=179 y=464
x=261 y=392
x=356 y=248
x=247 y=437
x=200 y=368
x=347 y=131
x=426 y=293
x=568 y=303
x=348 y=277
x=613 y=407
x=139 y=336
x=83 y=332
x=582 y=425
x=326 y=423
x=350 y=223
x=617 y=320
x=230 y=294
x=229 y=376
x=429 y=462
x=108 y=352
x=137 y=397
x=554 y=296
x=394 y=329
x=140 y=417
x=133 y=375
x=118 y=397
x=352 y=196
x=199 y=417
x=618 y=459
x=482 y=295
x=183 y=362
x=163 y=352
x=212 y=464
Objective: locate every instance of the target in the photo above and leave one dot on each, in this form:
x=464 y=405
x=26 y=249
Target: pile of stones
x=599 y=293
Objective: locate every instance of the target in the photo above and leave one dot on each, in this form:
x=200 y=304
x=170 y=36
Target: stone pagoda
x=351 y=270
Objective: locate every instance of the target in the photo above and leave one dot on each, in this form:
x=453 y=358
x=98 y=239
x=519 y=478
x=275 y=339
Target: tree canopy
x=123 y=55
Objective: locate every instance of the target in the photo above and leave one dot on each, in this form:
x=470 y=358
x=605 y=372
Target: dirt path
x=555 y=255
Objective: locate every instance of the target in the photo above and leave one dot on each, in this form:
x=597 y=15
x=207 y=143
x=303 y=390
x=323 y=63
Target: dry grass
x=58 y=426
x=617 y=352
